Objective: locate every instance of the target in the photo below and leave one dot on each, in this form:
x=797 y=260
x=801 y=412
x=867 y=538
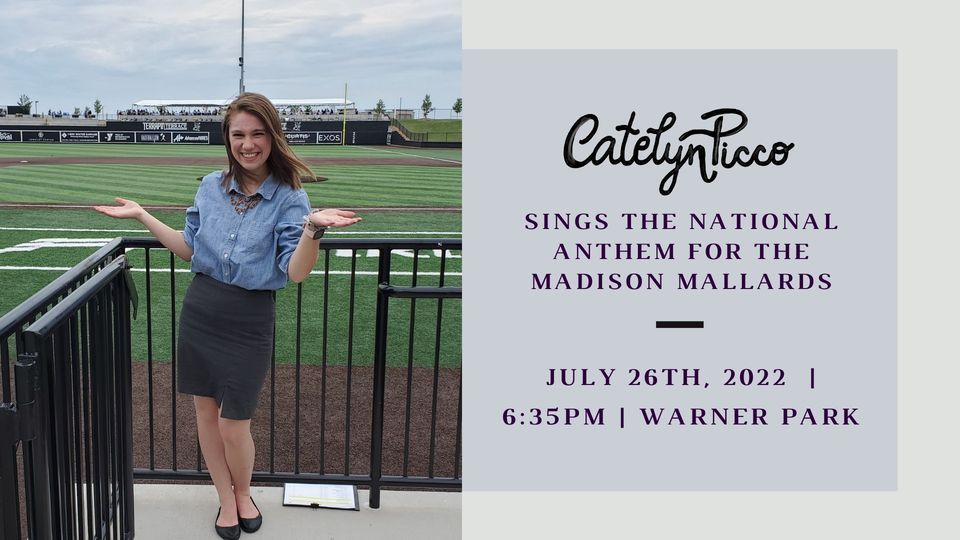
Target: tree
x=426 y=106
x=87 y=113
x=379 y=109
x=24 y=104
x=308 y=110
x=97 y=107
x=458 y=106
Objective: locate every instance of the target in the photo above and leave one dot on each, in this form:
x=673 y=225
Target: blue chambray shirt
x=245 y=241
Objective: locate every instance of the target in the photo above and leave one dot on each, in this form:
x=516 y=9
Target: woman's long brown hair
x=283 y=164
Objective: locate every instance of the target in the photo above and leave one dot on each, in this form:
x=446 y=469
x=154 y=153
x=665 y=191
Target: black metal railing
x=362 y=412
x=23 y=456
x=72 y=414
x=384 y=293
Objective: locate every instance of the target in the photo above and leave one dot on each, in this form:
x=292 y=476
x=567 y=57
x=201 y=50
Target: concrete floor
x=188 y=511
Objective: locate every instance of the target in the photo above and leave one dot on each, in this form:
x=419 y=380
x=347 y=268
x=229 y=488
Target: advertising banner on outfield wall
x=165 y=126
x=299 y=137
x=329 y=137
x=306 y=132
x=190 y=138
x=79 y=136
x=41 y=136
x=153 y=137
x=126 y=125
x=313 y=137
x=117 y=137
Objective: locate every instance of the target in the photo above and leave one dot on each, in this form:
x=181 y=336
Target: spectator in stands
x=249 y=230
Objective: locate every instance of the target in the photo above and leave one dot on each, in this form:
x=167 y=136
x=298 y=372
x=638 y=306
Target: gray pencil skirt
x=225 y=343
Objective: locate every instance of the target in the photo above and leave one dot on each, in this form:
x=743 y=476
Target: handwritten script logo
x=629 y=148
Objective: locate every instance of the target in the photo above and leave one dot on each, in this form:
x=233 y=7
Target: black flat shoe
x=229 y=533
x=252 y=524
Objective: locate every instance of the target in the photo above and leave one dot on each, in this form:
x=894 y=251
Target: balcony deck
x=178 y=511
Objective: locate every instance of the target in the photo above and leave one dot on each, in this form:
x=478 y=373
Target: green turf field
x=145 y=150
x=365 y=184
x=348 y=185
x=436 y=130
x=37 y=244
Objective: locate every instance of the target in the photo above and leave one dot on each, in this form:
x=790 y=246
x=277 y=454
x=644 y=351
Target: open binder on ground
x=339 y=497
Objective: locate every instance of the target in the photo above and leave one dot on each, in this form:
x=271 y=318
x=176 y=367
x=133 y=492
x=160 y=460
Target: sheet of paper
x=322 y=495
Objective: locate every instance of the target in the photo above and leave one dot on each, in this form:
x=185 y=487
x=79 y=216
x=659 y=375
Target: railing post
x=9 y=438
x=50 y=429
x=33 y=433
x=104 y=398
x=125 y=292
x=379 y=375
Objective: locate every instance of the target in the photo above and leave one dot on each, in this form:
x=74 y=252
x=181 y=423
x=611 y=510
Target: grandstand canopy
x=322 y=102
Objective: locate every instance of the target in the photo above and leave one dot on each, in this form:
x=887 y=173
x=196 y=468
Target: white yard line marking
x=185 y=271
x=44 y=243
x=392 y=232
x=407 y=253
x=417 y=156
x=41 y=243
x=43 y=229
x=51 y=268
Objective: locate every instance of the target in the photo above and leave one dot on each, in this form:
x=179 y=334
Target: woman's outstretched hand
x=126 y=210
x=171 y=239
x=332 y=217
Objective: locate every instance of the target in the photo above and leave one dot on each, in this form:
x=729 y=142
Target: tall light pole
x=242 y=15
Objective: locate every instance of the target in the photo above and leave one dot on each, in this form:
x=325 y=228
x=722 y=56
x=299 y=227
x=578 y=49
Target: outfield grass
x=28 y=150
x=452 y=154
x=436 y=130
x=348 y=186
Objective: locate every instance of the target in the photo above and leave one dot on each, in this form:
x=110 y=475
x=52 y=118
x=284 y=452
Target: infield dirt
x=214 y=161
x=331 y=406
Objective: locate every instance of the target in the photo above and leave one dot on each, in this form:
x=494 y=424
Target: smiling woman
x=249 y=230
x=256 y=145
x=250 y=144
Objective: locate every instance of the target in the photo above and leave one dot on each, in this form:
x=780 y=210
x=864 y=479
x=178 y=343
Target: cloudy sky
x=66 y=53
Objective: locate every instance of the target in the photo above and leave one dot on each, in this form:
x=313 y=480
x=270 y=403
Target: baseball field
x=47 y=226
x=322 y=363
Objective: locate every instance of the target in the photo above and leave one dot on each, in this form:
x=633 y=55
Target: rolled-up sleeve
x=290 y=227
x=191 y=225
